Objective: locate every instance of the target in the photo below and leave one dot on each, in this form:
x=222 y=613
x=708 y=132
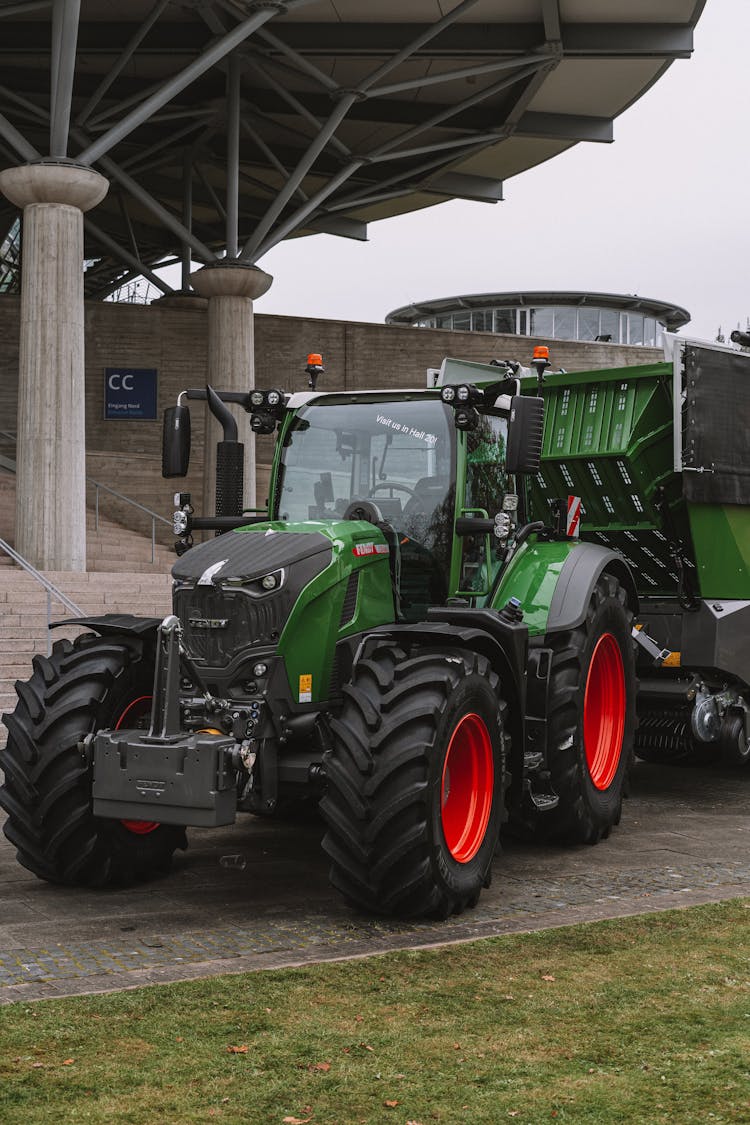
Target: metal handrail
x=6 y=463
x=52 y=590
x=133 y=503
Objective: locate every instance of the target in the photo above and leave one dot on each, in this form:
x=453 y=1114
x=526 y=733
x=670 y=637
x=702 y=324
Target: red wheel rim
x=604 y=711
x=467 y=788
x=132 y=713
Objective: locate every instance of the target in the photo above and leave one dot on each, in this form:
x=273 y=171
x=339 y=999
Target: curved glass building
x=611 y=318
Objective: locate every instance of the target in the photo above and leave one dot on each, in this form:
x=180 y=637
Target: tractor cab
x=431 y=477
x=388 y=460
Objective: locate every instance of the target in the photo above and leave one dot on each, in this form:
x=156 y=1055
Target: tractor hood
x=248 y=555
x=293 y=590
x=238 y=591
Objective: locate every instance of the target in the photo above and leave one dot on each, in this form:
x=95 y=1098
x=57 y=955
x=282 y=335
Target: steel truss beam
x=460 y=185
x=178 y=82
x=129 y=50
x=64 y=38
x=125 y=256
x=572 y=127
x=613 y=40
x=256 y=79
x=22 y=9
x=17 y=141
x=340 y=226
x=566 y=127
x=256 y=244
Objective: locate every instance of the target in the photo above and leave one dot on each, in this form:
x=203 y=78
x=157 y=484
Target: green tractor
x=432 y=631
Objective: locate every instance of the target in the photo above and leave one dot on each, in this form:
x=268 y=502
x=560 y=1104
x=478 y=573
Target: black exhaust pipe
x=230 y=460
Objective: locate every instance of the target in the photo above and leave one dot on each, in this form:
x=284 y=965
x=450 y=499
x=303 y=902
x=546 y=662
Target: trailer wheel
x=591 y=718
x=735 y=747
x=88 y=685
x=415 y=783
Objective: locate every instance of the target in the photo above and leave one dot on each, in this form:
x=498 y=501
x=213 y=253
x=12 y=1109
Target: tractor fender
x=112 y=623
x=575 y=584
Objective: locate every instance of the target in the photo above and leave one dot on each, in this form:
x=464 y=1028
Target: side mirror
x=525 y=432
x=175 y=445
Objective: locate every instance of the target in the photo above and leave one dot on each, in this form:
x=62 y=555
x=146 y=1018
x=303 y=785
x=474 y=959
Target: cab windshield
x=397 y=454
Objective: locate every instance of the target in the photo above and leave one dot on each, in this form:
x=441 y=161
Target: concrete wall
x=126 y=454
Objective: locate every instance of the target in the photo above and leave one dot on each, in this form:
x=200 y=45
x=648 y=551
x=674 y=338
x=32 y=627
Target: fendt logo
x=208 y=622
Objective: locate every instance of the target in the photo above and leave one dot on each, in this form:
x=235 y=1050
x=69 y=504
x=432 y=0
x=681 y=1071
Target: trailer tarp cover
x=716 y=419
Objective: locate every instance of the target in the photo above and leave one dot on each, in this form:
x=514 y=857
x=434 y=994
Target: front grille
x=219 y=622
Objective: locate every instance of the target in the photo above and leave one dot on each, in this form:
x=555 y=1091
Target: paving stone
x=683 y=840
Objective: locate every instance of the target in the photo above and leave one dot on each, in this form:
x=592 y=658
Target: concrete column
x=51 y=457
x=231 y=288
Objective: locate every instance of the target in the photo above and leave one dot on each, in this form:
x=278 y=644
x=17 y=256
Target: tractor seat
x=428 y=493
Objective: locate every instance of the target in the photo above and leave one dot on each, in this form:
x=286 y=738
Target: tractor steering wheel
x=388 y=484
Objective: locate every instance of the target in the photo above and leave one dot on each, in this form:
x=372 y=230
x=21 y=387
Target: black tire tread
x=376 y=801
x=574 y=820
x=46 y=792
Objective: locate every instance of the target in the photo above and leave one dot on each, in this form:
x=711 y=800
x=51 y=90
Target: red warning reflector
x=573 y=526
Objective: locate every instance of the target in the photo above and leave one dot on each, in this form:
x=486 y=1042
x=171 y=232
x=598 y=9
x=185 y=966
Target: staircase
x=111 y=548
x=23 y=613
x=120 y=579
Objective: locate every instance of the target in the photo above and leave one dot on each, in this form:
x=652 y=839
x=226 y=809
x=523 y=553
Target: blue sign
x=130 y=392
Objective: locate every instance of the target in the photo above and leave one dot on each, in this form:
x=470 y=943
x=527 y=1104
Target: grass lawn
x=641 y=1021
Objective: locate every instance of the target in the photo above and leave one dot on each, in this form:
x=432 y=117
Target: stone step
x=23 y=612
x=73 y=579
x=107 y=548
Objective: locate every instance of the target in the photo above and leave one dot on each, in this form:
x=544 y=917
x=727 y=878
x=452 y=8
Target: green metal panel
x=722 y=535
x=531 y=576
x=608 y=438
x=309 y=638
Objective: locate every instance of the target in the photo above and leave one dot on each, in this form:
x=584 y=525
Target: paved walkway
x=684 y=839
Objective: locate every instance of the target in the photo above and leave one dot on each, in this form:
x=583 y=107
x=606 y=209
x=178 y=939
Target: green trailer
x=660 y=456
x=464 y=610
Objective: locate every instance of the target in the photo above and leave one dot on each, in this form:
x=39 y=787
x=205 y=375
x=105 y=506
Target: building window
x=635 y=324
x=609 y=325
x=565 y=324
x=588 y=324
x=559 y=322
x=505 y=321
x=541 y=322
x=482 y=321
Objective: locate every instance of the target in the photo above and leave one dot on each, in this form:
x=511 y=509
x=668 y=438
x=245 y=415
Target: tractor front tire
x=90 y=684
x=415 y=783
x=591 y=718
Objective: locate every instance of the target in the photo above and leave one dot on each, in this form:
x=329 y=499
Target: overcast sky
x=662 y=212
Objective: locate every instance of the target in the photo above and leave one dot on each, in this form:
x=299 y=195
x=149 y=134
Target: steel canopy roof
x=235 y=124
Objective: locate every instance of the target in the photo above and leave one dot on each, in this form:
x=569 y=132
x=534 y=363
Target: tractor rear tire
x=415 y=783
x=89 y=685
x=591 y=718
